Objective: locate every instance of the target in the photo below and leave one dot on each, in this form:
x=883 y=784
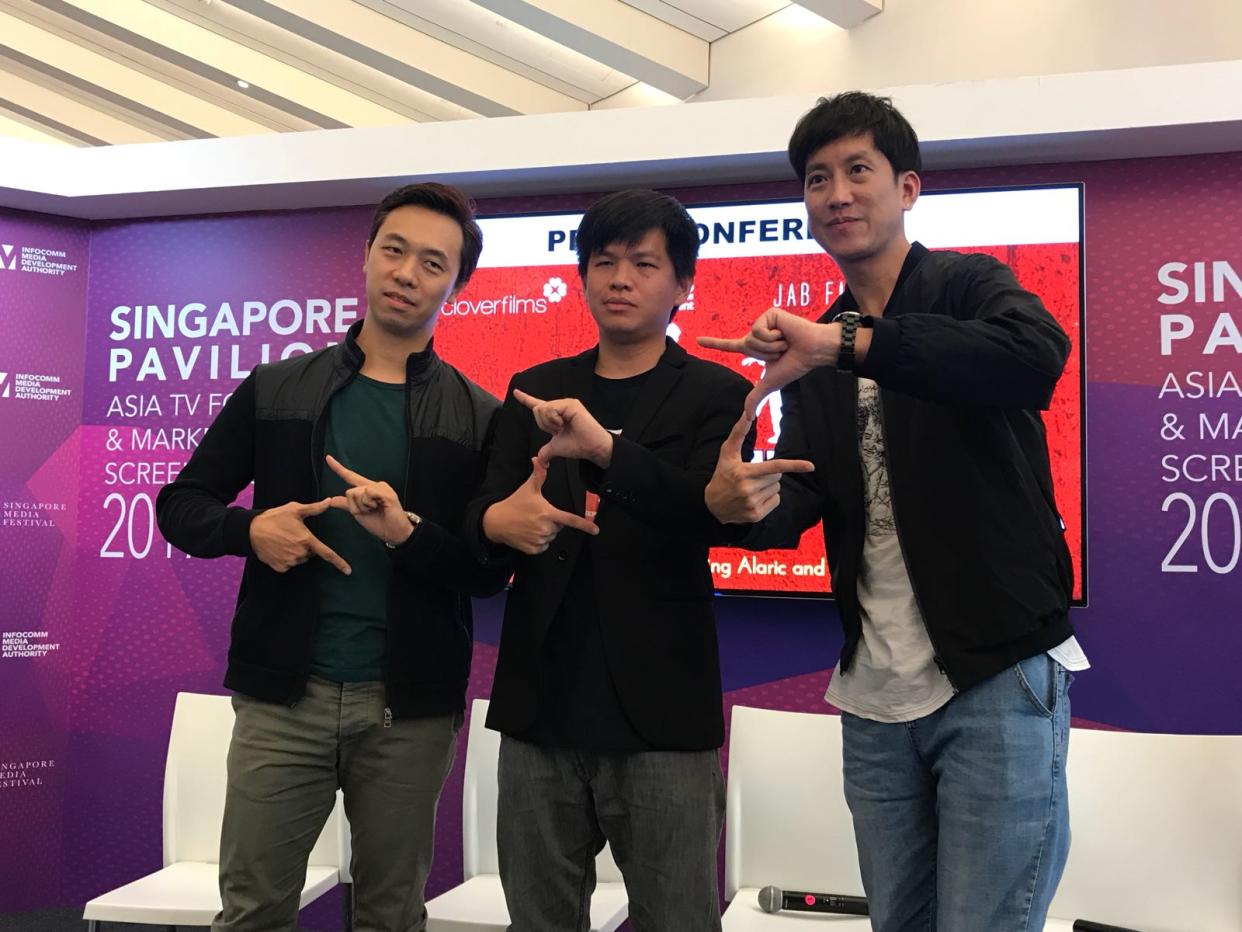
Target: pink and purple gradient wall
x=97 y=641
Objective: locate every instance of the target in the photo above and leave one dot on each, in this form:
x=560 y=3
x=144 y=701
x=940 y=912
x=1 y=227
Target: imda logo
x=6 y=387
x=8 y=257
x=555 y=289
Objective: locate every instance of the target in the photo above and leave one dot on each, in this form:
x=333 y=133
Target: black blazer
x=650 y=563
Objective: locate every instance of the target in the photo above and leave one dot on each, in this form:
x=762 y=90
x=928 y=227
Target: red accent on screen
x=729 y=294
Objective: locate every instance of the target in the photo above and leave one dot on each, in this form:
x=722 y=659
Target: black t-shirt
x=578 y=702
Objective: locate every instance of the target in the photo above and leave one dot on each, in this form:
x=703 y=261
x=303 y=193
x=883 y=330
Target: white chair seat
x=744 y=915
x=184 y=894
x=478 y=905
x=187 y=891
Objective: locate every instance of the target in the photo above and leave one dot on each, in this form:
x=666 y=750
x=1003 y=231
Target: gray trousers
x=284 y=767
x=661 y=811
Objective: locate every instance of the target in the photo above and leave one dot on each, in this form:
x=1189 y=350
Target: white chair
x=186 y=891
x=1157 y=832
x=786 y=821
x=478 y=903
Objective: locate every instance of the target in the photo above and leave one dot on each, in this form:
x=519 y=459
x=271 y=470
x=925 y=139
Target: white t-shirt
x=894 y=677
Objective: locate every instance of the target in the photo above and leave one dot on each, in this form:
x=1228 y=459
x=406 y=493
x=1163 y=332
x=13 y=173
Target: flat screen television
x=525 y=305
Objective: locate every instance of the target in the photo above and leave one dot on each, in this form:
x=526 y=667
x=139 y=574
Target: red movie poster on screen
x=525 y=305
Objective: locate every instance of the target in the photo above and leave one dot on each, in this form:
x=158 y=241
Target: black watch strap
x=849 y=330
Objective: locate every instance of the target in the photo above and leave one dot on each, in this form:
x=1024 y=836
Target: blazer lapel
x=656 y=390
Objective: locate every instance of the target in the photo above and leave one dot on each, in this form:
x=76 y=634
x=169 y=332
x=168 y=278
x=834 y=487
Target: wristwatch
x=849 y=321
x=415 y=520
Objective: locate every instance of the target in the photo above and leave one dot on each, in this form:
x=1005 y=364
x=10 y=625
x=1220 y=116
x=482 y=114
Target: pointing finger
x=529 y=400
x=780 y=467
x=348 y=475
x=314 y=508
x=577 y=522
x=323 y=551
x=724 y=344
x=732 y=446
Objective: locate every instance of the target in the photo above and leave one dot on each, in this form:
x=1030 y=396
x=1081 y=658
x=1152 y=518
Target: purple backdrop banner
x=106 y=386
x=43 y=274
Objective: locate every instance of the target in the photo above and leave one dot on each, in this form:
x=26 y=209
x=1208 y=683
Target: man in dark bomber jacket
x=917 y=397
x=352 y=635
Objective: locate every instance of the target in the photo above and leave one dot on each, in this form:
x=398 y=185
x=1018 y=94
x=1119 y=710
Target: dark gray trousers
x=284 y=767
x=661 y=812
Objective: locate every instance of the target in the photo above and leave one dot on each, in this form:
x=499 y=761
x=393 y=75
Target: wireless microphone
x=774 y=899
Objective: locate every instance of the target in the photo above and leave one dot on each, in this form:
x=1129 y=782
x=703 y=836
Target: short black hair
x=625 y=217
x=443 y=199
x=855 y=113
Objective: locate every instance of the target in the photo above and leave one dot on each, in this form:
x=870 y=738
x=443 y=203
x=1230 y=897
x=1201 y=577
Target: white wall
x=938 y=41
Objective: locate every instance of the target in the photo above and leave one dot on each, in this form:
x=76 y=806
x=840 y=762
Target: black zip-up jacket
x=271 y=431
x=965 y=359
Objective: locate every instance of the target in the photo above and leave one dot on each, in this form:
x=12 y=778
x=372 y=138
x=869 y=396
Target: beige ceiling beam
x=349 y=77
x=844 y=13
x=385 y=45
x=75 y=87
x=677 y=16
x=615 y=33
x=53 y=102
x=725 y=15
x=508 y=44
x=17 y=125
x=124 y=83
x=150 y=50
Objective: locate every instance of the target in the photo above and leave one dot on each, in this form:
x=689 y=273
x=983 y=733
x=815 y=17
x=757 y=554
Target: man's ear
x=684 y=287
x=911 y=186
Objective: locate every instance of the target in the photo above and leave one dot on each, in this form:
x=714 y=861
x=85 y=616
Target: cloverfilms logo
x=501 y=305
x=555 y=289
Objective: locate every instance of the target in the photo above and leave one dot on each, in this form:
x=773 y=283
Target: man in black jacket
x=917 y=396
x=352 y=635
x=607 y=685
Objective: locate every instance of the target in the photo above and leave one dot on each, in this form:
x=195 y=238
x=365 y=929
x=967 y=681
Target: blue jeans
x=961 y=817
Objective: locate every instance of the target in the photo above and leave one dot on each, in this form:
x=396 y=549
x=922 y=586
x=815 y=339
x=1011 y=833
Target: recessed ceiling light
x=244 y=85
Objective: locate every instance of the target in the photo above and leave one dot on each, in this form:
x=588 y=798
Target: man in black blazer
x=607 y=686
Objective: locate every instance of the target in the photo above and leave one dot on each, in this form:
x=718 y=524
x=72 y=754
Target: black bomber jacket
x=271 y=431
x=965 y=359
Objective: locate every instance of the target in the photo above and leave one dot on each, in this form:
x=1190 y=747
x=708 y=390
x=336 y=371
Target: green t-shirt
x=366 y=433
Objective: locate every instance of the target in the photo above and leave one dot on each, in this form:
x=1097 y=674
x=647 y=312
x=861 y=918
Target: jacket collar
x=847 y=301
x=417 y=366
x=673 y=355
x=656 y=389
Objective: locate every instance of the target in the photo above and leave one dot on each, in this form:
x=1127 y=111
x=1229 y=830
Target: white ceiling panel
x=729 y=15
x=109 y=72
x=667 y=58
